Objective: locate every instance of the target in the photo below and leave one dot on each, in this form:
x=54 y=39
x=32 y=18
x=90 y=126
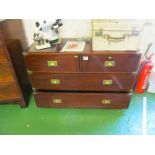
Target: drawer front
x=83 y=81
x=8 y=91
x=6 y=73
x=3 y=56
x=53 y=63
x=82 y=100
x=114 y=62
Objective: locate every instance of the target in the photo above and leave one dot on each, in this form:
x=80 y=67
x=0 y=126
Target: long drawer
x=83 y=81
x=6 y=73
x=82 y=100
x=111 y=62
x=52 y=62
x=8 y=90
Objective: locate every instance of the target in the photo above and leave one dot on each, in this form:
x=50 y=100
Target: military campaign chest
x=100 y=79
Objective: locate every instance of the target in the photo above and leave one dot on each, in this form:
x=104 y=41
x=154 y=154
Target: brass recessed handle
x=52 y=63
x=29 y=72
x=106 y=101
x=57 y=101
x=107 y=82
x=109 y=63
x=55 y=81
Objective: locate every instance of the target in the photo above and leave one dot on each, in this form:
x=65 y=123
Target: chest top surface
x=56 y=49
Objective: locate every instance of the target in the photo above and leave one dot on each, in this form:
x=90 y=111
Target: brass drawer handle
x=52 y=63
x=55 y=81
x=29 y=72
x=107 y=82
x=106 y=101
x=109 y=63
x=57 y=101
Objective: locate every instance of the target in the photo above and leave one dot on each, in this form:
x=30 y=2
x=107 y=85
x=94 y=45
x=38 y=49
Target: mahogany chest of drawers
x=82 y=79
x=14 y=84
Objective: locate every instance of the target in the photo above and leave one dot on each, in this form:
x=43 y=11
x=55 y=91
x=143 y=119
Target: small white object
x=85 y=58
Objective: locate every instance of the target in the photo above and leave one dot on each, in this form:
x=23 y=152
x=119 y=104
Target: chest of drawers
x=14 y=86
x=82 y=79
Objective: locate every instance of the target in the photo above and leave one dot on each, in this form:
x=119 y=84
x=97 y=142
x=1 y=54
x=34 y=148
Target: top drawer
x=52 y=62
x=110 y=62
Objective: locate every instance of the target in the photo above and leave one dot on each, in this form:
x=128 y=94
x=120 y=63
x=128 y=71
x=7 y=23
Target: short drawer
x=83 y=81
x=52 y=62
x=110 y=62
x=3 y=56
x=6 y=73
x=8 y=90
x=82 y=100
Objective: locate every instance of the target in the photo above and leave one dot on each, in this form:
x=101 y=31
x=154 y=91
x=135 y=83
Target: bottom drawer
x=8 y=91
x=82 y=100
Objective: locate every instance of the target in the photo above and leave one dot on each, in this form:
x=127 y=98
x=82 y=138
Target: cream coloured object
x=116 y=35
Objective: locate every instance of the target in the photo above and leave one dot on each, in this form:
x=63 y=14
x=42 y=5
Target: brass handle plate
x=29 y=72
x=52 y=63
x=57 y=101
x=109 y=63
x=107 y=82
x=55 y=81
x=106 y=101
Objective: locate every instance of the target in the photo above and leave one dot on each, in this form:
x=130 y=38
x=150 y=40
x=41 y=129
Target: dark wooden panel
x=83 y=81
x=6 y=73
x=17 y=61
x=82 y=100
x=64 y=63
x=8 y=91
x=123 y=62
